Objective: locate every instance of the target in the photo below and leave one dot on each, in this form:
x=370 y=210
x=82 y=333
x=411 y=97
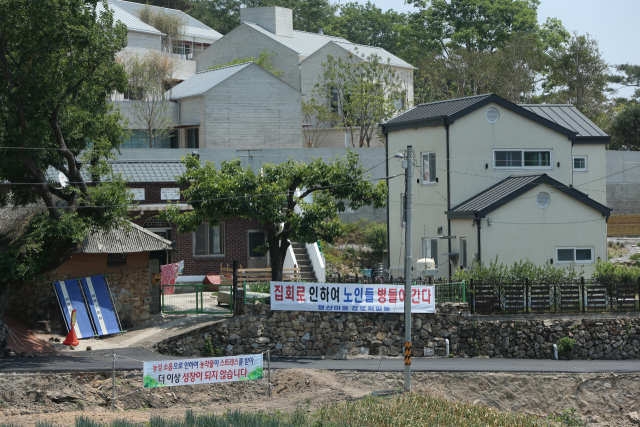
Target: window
x=430 y=249
x=579 y=163
x=193 y=138
x=575 y=255
x=115 y=260
x=522 y=159
x=403 y=210
x=463 y=252
x=428 y=168
x=139 y=139
x=209 y=240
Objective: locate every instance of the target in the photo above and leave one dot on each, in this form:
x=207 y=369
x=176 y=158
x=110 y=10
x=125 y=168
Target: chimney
x=321 y=32
x=278 y=20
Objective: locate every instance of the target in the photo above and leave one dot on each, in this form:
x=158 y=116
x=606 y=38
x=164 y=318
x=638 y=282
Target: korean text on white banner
x=202 y=370
x=342 y=297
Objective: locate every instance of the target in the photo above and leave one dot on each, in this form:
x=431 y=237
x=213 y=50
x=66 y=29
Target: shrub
x=569 y=417
x=634 y=256
x=565 y=345
x=609 y=272
x=208 y=350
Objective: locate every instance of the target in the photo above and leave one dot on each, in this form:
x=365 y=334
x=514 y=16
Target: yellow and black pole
x=407 y=271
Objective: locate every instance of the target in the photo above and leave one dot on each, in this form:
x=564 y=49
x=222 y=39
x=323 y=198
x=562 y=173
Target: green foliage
x=569 y=417
x=518 y=272
x=363 y=91
x=631 y=77
x=635 y=256
x=149 y=381
x=376 y=240
x=233 y=192
x=208 y=350
x=264 y=60
x=565 y=345
x=263 y=288
x=362 y=244
x=625 y=128
x=170 y=24
x=607 y=272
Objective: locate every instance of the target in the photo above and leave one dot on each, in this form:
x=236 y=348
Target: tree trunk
x=278 y=256
x=6 y=292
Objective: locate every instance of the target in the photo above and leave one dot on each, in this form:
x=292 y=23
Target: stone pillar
x=154 y=290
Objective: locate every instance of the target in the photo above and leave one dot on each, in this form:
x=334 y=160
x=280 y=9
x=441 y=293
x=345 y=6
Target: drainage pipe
x=446 y=346
x=555 y=352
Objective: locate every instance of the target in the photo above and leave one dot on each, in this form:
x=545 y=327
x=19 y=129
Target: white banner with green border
x=202 y=371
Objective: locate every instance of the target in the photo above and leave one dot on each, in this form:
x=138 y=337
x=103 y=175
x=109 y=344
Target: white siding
x=126 y=108
x=250 y=110
x=245 y=42
x=141 y=43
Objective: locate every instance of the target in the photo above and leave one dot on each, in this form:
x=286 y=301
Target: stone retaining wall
x=290 y=333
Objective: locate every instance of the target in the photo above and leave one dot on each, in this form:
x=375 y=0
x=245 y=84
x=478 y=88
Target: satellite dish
x=63 y=179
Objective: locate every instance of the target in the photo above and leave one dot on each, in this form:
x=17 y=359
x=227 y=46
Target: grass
x=405 y=410
x=616 y=251
x=263 y=288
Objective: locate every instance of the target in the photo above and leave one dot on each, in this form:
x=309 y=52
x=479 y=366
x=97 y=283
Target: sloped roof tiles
x=132 y=22
x=568 y=116
x=121 y=240
x=436 y=109
x=137 y=170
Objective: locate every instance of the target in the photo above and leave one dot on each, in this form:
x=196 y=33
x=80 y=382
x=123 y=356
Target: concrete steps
x=303 y=261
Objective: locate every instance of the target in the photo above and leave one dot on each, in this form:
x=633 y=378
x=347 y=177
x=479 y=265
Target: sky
x=613 y=23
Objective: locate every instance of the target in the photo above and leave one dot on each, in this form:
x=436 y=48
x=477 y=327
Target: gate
x=197 y=299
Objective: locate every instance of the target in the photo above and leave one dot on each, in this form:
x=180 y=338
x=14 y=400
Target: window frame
x=422 y=156
x=522 y=151
x=222 y=242
x=586 y=163
x=575 y=261
x=424 y=249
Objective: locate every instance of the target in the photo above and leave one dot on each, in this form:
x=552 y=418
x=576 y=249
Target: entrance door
x=255 y=239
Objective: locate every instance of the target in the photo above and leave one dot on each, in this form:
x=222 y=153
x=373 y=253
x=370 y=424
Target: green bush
x=501 y=274
x=264 y=288
x=615 y=273
x=634 y=256
x=569 y=417
x=208 y=350
x=565 y=346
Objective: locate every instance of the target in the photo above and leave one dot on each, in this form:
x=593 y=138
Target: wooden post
x=583 y=293
x=526 y=295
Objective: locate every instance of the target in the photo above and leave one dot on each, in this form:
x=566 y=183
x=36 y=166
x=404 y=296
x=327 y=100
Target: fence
x=586 y=296
x=445 y=291
x=257 y=275
x=197 y=299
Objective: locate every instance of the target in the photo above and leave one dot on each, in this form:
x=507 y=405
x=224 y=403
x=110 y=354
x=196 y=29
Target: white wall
x=141 y=43
x=538 y=232
x=127 y=110
x=245 y=42
x=252 y=109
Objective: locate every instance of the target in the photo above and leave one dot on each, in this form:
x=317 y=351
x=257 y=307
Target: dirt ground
x=26 y=399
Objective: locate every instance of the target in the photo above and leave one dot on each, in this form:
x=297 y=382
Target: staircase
x=303 y=261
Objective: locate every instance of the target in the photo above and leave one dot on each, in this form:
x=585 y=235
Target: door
x=255 y=239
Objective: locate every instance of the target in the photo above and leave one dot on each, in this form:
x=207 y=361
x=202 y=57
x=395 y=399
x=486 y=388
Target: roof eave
x=414 y=124
x=461 y=214
x=592 y=140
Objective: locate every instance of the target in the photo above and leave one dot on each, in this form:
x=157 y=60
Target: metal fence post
x=638 y=293
x=473 y=296
x=234 y=290
x=526 y=295
x=584 y=294
x=113 y=383
x=555 y=297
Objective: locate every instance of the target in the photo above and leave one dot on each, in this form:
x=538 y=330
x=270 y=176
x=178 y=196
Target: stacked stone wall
x=290 y=333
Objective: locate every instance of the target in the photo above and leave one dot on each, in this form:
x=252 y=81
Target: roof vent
x=542 y=199
x=492 y=115
x=321 y=32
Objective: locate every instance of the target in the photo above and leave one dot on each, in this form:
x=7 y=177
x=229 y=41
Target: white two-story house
x=492 y=178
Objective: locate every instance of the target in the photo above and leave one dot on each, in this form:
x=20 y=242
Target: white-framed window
x=430 y=249
x=403 y=210
x=574 y=255
x=429 y=168
x=579 y=163
x=463 y=252
x=208 y=240
x=522 y=159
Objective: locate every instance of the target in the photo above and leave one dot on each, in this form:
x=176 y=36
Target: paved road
x=102 y=359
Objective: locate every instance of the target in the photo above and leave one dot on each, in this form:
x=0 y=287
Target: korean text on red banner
x=202 y=371
x=287 y=296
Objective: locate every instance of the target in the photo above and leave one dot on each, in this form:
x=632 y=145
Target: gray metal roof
x=510 y=189
x=568 y=116
x=437 y=109
x=193 y=27
x=302 y=42
x=364 y=52
x=496 y=193
x=123 y=240
x=132 y=22
x=201 y=82
x=137 y=170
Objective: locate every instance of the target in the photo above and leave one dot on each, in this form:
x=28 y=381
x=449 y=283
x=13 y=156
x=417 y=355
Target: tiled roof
x=132 y=22
x=513 y=187
x=137 y=170
x=193 y=28
x=437 y=109
x=123 y=240
x=568 y=116
x=201 y=82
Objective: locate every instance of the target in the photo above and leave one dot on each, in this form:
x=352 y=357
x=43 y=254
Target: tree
x=183 y=5
x=149 y=77
x=317 y=121
x=172 y=26
x=631 y=77
x=578 y=75
x=363 y=93
x=264 y=60
x=58 y=70
x=369 y=25
x=275 y=198
x=625 y=128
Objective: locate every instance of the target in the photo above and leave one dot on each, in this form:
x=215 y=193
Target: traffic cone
x=72 y=339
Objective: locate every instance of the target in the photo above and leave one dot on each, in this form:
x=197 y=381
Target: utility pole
x=408 y=164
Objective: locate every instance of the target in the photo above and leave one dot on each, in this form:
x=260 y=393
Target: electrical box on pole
x=407 y=270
